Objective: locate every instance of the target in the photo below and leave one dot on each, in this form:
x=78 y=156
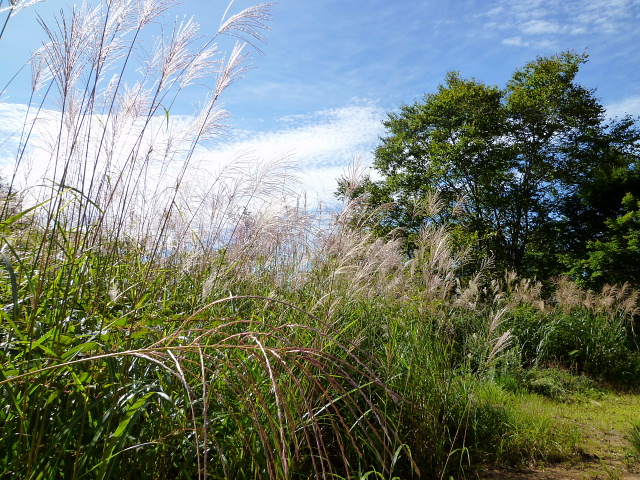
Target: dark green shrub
x=559 y=384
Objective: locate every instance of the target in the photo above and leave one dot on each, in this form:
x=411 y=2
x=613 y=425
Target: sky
x=332 y=69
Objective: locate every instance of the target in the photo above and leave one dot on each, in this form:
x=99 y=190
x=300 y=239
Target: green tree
x=611 y=253
x=511 y=157
x=592 y=208
x=450 y=144
x=615 y=259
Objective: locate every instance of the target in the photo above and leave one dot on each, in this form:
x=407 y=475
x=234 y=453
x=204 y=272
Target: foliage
x=178 y=328
x=503 y=161
x=615 y=258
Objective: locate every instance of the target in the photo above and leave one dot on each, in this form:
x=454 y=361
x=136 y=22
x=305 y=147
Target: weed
x=634 y=438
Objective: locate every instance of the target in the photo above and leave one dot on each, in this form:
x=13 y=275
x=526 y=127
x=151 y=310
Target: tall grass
x=165 y=321
x=126 y=351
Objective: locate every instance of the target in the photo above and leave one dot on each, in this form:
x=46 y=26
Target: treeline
x=533 y=175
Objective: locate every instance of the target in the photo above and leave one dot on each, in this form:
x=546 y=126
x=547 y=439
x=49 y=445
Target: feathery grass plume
x=248 y=23
x=436 y=262
x=473 y=293
x=469 y=296
x=630 y=302
x=518 y=291
x=16 y=6
x=501 y=342
x=353 y=177
x=434 y=258
x=618 y=300
x=484 y=339
x=567 y=294
x=366 y=264
x=615 y=300
x=349 y=262
x=356 y=210
x=431 y=205
x=249 y=226
x=271 y=247
x=105 y=372
x=357 y=265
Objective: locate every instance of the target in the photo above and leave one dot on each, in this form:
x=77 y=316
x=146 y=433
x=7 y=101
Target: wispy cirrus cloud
x=531 y=19
x=518 y=41
x=318 y=145
x=540 y=27
x=628 y=106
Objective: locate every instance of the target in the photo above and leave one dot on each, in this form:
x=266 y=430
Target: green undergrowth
x=162 y=321
x=603 y=424
x=634 y=439
x=105 y=375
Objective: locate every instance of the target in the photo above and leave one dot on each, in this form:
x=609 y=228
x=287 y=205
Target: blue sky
x=332 y=68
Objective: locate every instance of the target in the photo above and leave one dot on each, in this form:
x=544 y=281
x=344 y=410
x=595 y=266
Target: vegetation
x=635 y=439
x=159 y=326
x=532 y=175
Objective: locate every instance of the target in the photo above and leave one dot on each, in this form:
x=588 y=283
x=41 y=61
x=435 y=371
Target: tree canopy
x=532 y=174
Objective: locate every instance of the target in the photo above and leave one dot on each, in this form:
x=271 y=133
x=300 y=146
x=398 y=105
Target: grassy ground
x=600 y=423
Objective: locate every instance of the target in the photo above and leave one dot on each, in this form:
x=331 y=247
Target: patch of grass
x=599 y=424
x=560 y=384
x=634 y=439
x=530 y=432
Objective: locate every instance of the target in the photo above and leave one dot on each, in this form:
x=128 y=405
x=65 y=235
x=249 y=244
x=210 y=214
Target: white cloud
x=515 y=42
x=540 y=27
x=15 y=126
x=495 y=11
x=628 y=106
x=578 y=31
x=527 y=18
x=319 y=145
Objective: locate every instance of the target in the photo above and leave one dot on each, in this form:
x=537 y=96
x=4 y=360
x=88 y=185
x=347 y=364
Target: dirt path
x=603 y=451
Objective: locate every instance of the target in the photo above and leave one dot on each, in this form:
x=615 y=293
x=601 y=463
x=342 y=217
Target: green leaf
x=78 y=349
